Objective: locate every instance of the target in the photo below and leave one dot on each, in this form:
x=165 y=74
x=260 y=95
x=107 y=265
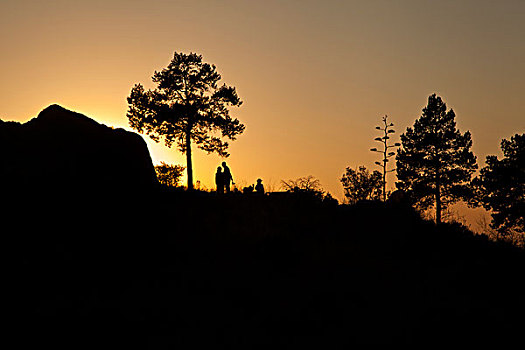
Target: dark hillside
x=180 y=269
x=99 y=256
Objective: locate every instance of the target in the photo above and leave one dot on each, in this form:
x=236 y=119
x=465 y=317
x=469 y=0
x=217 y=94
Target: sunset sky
x=315 y=76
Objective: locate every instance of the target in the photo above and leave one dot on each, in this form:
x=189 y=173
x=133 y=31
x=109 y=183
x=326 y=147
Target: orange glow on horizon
x=315 y=77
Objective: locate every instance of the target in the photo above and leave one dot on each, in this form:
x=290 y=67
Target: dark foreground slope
x=172 y=269
x=99 y=257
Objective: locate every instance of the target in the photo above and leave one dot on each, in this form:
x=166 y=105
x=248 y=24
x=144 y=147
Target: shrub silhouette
x=360 y=185
x=304 y=184
x=308 y=188
x=168 y=174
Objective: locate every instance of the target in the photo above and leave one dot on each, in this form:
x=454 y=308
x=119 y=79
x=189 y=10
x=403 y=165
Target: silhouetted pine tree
x=187 y=106
x=435 y=164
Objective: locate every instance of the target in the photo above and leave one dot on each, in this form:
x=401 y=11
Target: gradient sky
x=315 y=76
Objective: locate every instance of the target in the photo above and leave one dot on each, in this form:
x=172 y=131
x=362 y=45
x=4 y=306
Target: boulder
x=61 y=150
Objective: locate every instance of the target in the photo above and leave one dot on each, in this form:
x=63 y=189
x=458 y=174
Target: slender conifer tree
x=435 y=163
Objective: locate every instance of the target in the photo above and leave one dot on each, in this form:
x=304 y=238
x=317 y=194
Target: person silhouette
x=219 y=180
x=227 y=177
x=259 y=188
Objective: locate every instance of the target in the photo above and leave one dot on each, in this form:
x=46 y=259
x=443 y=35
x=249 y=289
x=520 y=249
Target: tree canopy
x=501 y=186
x=435 y=163
x=360 y=185
x=186 y=106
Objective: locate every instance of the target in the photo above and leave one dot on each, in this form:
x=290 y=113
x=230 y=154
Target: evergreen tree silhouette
x=435 y=164
x=501 y=187
x=187 y=106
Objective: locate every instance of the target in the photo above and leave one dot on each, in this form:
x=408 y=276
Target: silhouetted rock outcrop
x=64 y=150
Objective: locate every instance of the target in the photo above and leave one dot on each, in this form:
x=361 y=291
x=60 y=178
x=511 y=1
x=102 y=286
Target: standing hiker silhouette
x=259 y=188
x=219 y=180
x=227 y=177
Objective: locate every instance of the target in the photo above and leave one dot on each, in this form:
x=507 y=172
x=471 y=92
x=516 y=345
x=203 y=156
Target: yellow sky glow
x=315 y=76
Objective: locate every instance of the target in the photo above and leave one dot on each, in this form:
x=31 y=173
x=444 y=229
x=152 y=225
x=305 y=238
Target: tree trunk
x=189 y=167
x=438 y=203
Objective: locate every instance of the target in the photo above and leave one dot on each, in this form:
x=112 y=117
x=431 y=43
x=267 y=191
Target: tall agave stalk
x=386 y=130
